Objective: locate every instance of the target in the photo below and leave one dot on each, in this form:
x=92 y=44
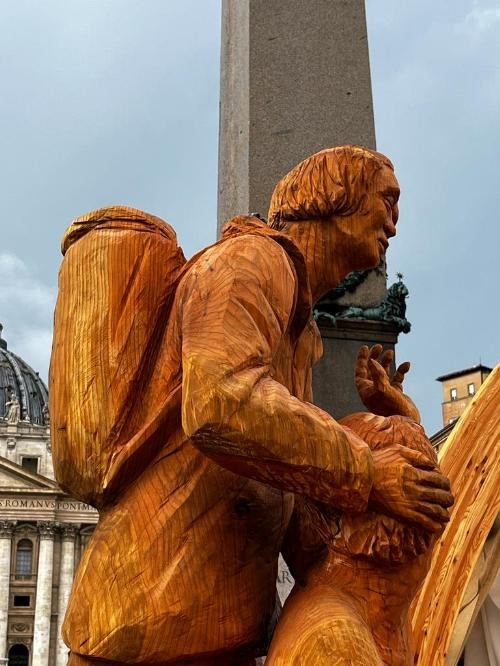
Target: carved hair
x=333 y=181
x=379 y=432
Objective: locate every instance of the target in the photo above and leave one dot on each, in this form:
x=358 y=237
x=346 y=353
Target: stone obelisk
x=295 y=78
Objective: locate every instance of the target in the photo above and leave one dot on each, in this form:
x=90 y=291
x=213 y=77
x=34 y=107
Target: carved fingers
x=434 y=512
x=429 y=493
x=383 y=359
x=372 y=375
x=408 y=485
x=435 y=480
x=379 y=363
x=379 y=376
x=416 y=517
x=417 y=459
x=361 y=370
x=442 y=497
x=380 y=393
x=400 y=373
x=368 y=382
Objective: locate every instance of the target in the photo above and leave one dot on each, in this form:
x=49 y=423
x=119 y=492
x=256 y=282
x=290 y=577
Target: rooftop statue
x=181 y=407
x=13 y=413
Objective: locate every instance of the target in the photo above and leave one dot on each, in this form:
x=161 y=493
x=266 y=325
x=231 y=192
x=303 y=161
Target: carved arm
x=236 y=306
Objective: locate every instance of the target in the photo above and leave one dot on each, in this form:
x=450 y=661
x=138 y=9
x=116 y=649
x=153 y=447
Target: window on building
x=22 y=600
x=453 y=393
x=31 y=464
x=471 y=389
x=19 y=655
x=24 y=558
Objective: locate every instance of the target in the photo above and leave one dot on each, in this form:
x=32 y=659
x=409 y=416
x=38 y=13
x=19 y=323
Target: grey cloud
x=26 y=306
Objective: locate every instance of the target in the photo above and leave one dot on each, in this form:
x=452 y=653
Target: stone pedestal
x=66 y=574
x=43 y=603
x=6 y=529
x=341 y=344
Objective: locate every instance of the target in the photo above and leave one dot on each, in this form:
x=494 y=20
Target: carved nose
x=390 y=229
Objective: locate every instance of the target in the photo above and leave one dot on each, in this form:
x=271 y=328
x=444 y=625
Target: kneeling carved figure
x=357 y=573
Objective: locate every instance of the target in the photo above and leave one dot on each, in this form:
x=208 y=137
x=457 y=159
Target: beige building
x=458 y=390
x=42 y=531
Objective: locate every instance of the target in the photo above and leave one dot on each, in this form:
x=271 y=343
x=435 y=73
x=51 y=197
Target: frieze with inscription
x=52 y=504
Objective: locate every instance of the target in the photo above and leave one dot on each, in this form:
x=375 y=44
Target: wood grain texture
x=182 y=564
x=181 y=407
x=478 y=588
x=351 y=605
x=470 y=458
x=117 y=280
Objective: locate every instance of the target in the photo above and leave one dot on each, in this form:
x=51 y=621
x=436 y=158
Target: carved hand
x=378 y=392
x=409 y=486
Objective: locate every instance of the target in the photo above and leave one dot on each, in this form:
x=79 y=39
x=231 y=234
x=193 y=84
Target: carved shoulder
x=244 y=264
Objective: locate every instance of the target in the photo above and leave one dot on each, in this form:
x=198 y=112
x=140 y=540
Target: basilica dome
x=19 y=380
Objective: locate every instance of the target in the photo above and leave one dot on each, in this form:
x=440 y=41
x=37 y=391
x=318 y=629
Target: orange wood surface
x=352 y=605
x=181 y=407
x=190 y=437
x=471 y=459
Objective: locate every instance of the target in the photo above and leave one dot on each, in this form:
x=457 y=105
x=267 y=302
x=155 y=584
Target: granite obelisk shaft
x=295 y=78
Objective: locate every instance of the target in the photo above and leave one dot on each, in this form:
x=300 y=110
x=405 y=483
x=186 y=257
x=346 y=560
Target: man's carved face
x=363 y=237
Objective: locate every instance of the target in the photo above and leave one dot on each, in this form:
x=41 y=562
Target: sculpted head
x=351 y=189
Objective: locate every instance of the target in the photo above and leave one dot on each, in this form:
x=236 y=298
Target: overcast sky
x=116 y=101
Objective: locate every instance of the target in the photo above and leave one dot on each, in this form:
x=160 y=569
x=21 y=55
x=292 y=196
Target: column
x=295 y=78
x=65 y=582
x=43 y=604
x=6 y=529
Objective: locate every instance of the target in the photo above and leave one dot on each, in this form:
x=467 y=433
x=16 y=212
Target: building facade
x=458 y=390
x=43 y=532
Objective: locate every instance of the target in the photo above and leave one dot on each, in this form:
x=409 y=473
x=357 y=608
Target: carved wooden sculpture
x=358 y=574
x=181 y=408
x=470 y=458
x=351 y=603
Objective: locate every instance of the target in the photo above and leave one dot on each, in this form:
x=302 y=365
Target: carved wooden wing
x=470 y=458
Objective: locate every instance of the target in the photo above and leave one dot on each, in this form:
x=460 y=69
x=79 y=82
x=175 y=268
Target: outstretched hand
x=380 y=393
